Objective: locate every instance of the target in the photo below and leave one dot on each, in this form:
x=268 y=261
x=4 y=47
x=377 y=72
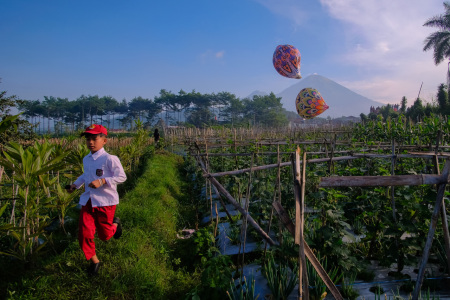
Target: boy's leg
x=104 y=217
x=86 y=231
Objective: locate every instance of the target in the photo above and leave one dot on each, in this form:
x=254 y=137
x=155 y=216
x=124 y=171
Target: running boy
x=102 y=173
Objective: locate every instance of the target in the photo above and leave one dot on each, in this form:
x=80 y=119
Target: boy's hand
x=70 y=188
x=96 y=183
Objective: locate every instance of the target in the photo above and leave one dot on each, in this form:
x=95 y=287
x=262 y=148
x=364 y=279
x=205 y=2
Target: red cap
x=95 y=129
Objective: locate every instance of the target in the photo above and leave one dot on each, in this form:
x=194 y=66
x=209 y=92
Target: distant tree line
x=184 y=109
x=416 y=111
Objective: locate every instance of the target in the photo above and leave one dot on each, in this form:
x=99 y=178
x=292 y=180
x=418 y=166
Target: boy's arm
x=79 y=182
x=76 y=185
x=117 y=171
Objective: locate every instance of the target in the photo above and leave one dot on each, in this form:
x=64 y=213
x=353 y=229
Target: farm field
x=225 y=188
x=354 y=229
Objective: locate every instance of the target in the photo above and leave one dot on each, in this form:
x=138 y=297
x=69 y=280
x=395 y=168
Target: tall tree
x=138 y=106
x=403 y=105
x=24 y=128
x=265 y=110
x=439 y=41
x=110 y=105
x=442 y=99
x=50 y=104
x=122 y=109
x=234 y=109
x=416 y=111
x=167 y=101
x=199 y=110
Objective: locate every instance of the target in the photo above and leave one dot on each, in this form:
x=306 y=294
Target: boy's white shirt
x=113 y=173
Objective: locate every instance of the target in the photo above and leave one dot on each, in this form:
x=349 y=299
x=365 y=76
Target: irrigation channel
x=273 y=185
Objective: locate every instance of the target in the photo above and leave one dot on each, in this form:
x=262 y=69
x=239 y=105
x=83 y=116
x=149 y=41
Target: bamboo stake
x=244 y=223
x=250 y=220
x=230 y=198
x=276 y=191
x=208 y=184
x=395 y=180
x=279 y=189
x=284 y=217
x=394 y=210
x=219 y=197
x=298 y=232
x=217 y=221
x=297 y=190
x=302 y=258
x=222 y=203
x=443 y=210
x=432 y=228
x=393 y=161
x=317 y=160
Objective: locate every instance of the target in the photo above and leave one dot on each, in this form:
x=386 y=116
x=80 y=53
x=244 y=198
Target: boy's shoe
x=93 y=269
x=118 y=232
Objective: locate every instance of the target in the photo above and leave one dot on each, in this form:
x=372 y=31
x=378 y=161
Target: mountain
x=341 y=100
x=256 y=93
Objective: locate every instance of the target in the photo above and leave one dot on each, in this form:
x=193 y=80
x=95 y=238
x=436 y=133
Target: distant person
x=156 y=135
x=102 y=173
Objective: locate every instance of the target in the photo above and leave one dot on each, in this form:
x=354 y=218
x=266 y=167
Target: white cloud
x=382 y=44
x=389 y=52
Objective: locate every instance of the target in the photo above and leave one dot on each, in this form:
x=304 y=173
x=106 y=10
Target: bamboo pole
x=393 y=162
x=302 y=258
x=443 y=210
x=279 y=190
x=220 y=199
x=395 y=180
x=230 y=198
x=284 y=217
x=244 y=223
x=431 y=230
x=271 y=153
x=317 y=160
x=208 y=184
x=217 y=221
x=298 y=232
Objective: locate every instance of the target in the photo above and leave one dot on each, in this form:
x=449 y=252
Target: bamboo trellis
x=296 y=230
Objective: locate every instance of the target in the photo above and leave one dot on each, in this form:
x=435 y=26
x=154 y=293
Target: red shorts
x=92 y=218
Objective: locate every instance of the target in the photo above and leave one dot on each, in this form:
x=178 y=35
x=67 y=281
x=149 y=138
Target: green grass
x=141 y=264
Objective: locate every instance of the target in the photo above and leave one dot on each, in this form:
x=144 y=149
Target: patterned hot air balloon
x=286 y=60
x=309 y=103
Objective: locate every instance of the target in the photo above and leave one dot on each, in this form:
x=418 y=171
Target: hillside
x=341 y=100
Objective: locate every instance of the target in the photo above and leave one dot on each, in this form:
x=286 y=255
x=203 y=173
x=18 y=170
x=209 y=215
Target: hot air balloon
x=309 y=103
x=286 y=60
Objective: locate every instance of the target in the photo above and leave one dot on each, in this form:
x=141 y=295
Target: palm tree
x=440 y=40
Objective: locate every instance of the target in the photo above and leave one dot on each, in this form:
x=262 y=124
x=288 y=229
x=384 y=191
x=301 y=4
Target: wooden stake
x=217 y=221
x=396 y=180
x=434 y=216
x=443 y=210
x=302 y=258
x=230 y=198
x=284 y=217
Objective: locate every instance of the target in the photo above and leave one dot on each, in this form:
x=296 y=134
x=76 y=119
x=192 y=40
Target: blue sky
x=136 y=48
